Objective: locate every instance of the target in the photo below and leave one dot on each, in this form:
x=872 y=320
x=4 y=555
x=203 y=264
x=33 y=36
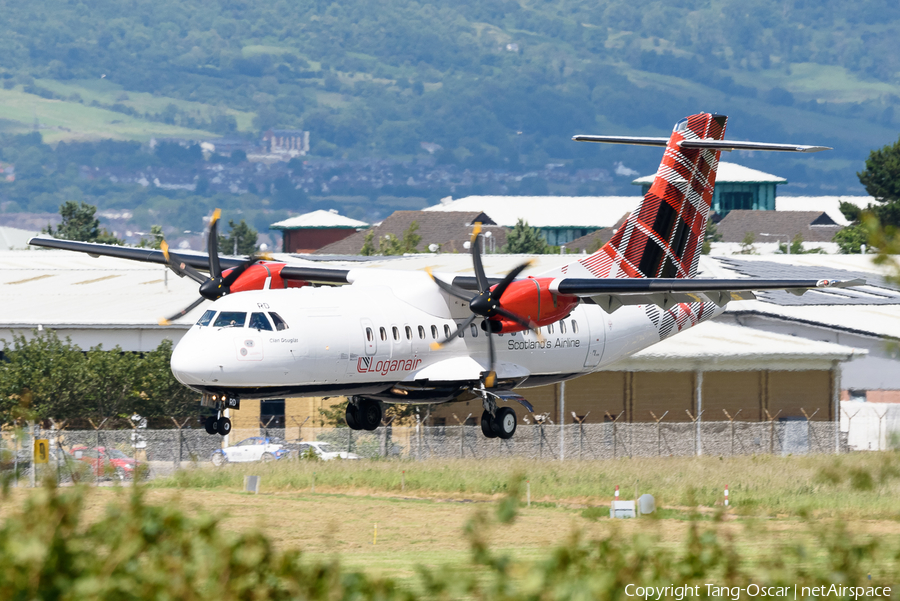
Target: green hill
x=496 y=83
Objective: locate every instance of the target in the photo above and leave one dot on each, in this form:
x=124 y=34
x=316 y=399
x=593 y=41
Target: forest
x=496 y=84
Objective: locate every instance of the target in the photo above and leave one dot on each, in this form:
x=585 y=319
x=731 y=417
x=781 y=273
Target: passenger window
x=574 y=327
x=408 y=332
x=446 y=331
x=562 y=327
x=369 y=334
x=396 y=332
x=259 y=321
x=434 y=332
x=421 y=333
x=206 y=318
x=383 y=334
x=230 y=319
x=550 y=329
x=279 y=323
x=474 y=330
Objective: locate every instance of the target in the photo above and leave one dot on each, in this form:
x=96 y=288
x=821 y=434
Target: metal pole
x=562 y=417
x=836 y=399
x=33 y=429
x=699 y=393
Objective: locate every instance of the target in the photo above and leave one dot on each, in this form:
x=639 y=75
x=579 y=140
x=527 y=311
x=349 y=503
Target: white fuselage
x=374 y=337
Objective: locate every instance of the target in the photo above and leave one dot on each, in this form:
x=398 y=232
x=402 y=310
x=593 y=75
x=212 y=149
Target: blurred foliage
x=51 y=550
x=523 y=239
x=79 y=223
x=66 y=382
x=798 y=249
x=241 y=239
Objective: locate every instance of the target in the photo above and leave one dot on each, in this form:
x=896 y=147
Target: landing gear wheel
x=369 y=414
x=486 y=429
x=352 y=416
x=504 y=423
x=223 y=426
x=211 y=424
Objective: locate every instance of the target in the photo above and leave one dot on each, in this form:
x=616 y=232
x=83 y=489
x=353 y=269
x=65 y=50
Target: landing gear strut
x=363 y=414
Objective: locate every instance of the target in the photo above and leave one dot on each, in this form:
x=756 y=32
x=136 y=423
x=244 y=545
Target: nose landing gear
x=219 y=424
x=499 y=422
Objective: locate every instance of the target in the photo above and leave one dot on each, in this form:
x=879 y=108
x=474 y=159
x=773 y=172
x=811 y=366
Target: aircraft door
x=597 y=338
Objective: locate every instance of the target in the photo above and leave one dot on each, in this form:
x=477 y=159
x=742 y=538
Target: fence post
x=849 y=425
x=580 y=423
x=809 y=428
x=880 y=418
x=299 y=427
x=731 y=420
x=462 y=433
x=615 y=420
x=658 y=448
x=97 y=430
x=772 y=430
x=562 y=421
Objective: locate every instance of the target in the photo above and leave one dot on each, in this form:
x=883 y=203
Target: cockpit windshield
x=230 y=319
x=259 y=321
x=206 y=318
x=681 y=125
x=279 y=323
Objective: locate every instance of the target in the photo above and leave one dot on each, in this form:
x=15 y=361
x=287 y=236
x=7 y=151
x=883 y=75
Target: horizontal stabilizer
x=727 y=145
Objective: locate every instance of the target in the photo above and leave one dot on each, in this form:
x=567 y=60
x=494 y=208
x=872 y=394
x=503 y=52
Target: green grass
x=67 y=120
x=823 y=485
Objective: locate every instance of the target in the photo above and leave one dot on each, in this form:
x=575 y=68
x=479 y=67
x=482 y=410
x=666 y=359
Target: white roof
x=12 y=238
x=318 y=219
x=827 y=204
x=872 y=320
x=715 y=346
x=547 y=211
x=731 y=173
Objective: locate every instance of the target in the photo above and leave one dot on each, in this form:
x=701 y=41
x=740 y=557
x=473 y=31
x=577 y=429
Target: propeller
x=214 y=286
x=485 y=304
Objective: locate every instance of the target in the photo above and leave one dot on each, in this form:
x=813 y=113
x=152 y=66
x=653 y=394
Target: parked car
x=255 y=448
x=325 y=450
x=107 y=461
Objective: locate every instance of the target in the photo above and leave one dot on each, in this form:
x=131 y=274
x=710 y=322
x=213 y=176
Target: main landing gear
x=496 y=422
x=363 y=413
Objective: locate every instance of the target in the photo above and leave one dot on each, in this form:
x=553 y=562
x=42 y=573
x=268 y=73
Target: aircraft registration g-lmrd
x=380 y=336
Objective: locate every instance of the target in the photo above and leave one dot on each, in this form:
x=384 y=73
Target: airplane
x=381 y=336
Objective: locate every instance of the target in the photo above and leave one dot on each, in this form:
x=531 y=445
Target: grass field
x=797 y=519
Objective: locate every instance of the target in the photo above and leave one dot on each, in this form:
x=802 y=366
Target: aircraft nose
x=190 y=365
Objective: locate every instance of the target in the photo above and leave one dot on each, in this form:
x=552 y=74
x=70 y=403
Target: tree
x=747 y=247
x=709 y=236
x=881 y=177
x=391 y=245
x=797 y=247
x=241 y=240
x=156 y=238
x=368 y=247
x=79 y=223
x=525 y=240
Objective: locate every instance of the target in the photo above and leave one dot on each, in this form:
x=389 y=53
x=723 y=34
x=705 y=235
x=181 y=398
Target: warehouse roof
x=715 y=346
x=547 y=211
x=827 y=204
x=319 y=220
x=777 y=226
x=730 y=173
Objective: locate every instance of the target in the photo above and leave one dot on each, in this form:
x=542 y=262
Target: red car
x=109 y=462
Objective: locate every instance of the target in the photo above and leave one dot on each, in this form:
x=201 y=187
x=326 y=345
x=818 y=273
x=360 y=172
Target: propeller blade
x=525 y=323
x=450 y=289
x=212 y=246
x=491 y=378
x=237 y=271
x=436 y=345
x=179 y=266
x=475 y=249
x=504 y=284
x=167 y=320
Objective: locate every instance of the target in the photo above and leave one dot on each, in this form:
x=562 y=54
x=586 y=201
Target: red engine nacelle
x=254 y=278
x=531 y=298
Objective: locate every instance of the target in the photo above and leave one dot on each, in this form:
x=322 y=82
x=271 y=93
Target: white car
x=325 y=451
x=257 y=448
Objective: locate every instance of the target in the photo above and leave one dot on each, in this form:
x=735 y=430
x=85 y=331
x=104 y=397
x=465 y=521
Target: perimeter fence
x=107 y=454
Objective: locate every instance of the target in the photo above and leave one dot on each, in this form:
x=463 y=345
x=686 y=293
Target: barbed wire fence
x=161 y=452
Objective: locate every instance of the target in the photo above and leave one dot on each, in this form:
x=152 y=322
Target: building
x=777 y=226
x=737 y=187
x=561 y=219
x=12 y=238
x=439 y=232
x=309 y=232
x=288 y=142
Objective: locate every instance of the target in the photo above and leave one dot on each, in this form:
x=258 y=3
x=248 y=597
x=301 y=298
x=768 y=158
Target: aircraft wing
x=612 y=293
x=726 y=145
x=194 y=259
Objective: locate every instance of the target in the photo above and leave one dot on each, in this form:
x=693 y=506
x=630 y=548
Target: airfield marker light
x=726 y=495
x=617 y=492
x=403 y=481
